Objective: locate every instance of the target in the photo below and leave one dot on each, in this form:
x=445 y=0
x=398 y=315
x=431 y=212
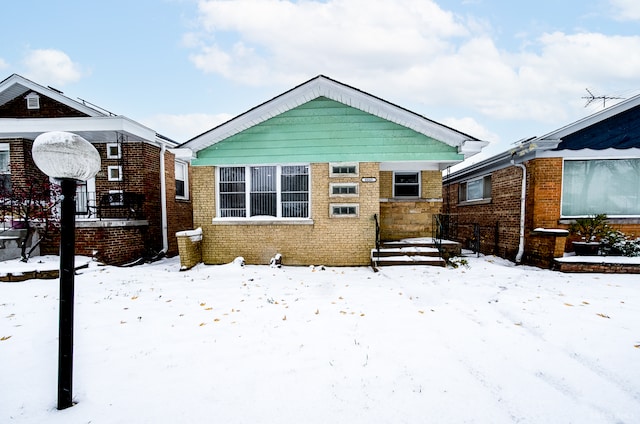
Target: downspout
x=523 y=196
x=163 y=201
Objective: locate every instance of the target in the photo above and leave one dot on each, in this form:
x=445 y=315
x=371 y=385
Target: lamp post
x=67 y=158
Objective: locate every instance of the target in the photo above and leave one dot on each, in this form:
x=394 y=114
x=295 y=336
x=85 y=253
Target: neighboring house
x=589 y=167
x=307 y=173
x=139 y=199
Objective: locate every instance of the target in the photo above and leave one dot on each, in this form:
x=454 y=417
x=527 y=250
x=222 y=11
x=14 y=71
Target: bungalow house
x=132 y=206
x=513 y=203
x=317 y=174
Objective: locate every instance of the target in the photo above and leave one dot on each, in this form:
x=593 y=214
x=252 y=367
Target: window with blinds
x=278 y=191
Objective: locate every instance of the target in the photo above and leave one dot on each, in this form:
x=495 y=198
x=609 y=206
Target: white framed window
x=280 y=191
x=114 y=173
x=33 y=101
x=343 y=169
x=406 y=184
x=344 y=210
x=116 y=198
x=475 y=189
x=182 y=180
x=343 y=189
x=4 y=157
x=113 y=151
x=596 y=186
x=5 y=169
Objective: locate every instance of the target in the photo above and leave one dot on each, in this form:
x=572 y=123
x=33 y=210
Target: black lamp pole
x=67 y=158
x=67 y=270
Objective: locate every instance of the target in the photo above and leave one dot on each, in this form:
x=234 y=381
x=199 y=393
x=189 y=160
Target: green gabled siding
x=324 y=130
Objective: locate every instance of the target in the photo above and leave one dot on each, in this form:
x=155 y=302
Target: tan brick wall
x=386 y=184
x=407 y=219
x=431 y=185
x=328 y=241
x=190 y=251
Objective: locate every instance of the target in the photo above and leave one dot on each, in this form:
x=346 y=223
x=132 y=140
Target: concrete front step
x=417 y=251
x=407 y=260
x=406 y=256
x=407 y=251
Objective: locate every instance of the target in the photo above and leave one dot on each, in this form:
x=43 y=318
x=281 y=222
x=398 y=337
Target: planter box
x=583 y=248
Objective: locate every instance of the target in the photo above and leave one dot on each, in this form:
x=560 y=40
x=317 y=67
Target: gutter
x=163 y=201
x=523 y=195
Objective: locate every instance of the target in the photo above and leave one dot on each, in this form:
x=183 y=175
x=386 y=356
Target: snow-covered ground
x=487 y=343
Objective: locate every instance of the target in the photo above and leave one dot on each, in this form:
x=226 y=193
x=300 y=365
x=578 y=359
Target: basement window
x=33 y=101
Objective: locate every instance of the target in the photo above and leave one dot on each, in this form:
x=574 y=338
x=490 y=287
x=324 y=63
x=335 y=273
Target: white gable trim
x=590 y=120
x=322 y=86
x=16 y=85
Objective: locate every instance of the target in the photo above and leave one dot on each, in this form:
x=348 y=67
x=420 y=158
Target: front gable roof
x=16 y=85
x=612 y=127
x=324 y=87
x=94 y=124
x=616 y=127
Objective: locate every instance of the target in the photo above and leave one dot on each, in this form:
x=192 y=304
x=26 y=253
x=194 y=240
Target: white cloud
x=304 y=39
x=3 y=64
x=626 y=10
x=181 y=128
x=413 y=52
x=472 y=127
x=51 y=67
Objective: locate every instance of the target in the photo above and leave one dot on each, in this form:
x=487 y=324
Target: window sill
x=475 y=202
x=410 y=199
x=262 y=221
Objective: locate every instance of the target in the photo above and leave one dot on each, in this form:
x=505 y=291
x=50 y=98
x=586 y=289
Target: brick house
x=512 y=204
x=134 y=205
x=310 y=173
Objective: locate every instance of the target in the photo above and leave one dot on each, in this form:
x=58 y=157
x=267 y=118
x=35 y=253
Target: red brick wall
x=21 y=163
x=498 y=219
x=179 y=212
x=109 y=244
x=49 y=108
x=544 y=192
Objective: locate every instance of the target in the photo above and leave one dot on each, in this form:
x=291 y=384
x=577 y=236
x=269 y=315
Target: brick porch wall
x=409 y=218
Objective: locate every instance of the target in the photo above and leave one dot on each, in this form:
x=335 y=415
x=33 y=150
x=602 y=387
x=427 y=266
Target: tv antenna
x=592 y=98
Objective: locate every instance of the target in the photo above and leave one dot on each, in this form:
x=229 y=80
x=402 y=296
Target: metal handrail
x=375 y=218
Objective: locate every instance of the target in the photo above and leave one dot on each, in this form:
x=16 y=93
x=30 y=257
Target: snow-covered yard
x=487 y=343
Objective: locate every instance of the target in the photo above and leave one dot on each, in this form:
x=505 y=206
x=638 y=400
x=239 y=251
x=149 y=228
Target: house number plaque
x=369 y=179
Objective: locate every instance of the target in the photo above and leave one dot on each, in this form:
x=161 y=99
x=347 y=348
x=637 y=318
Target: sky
x=500 y=71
